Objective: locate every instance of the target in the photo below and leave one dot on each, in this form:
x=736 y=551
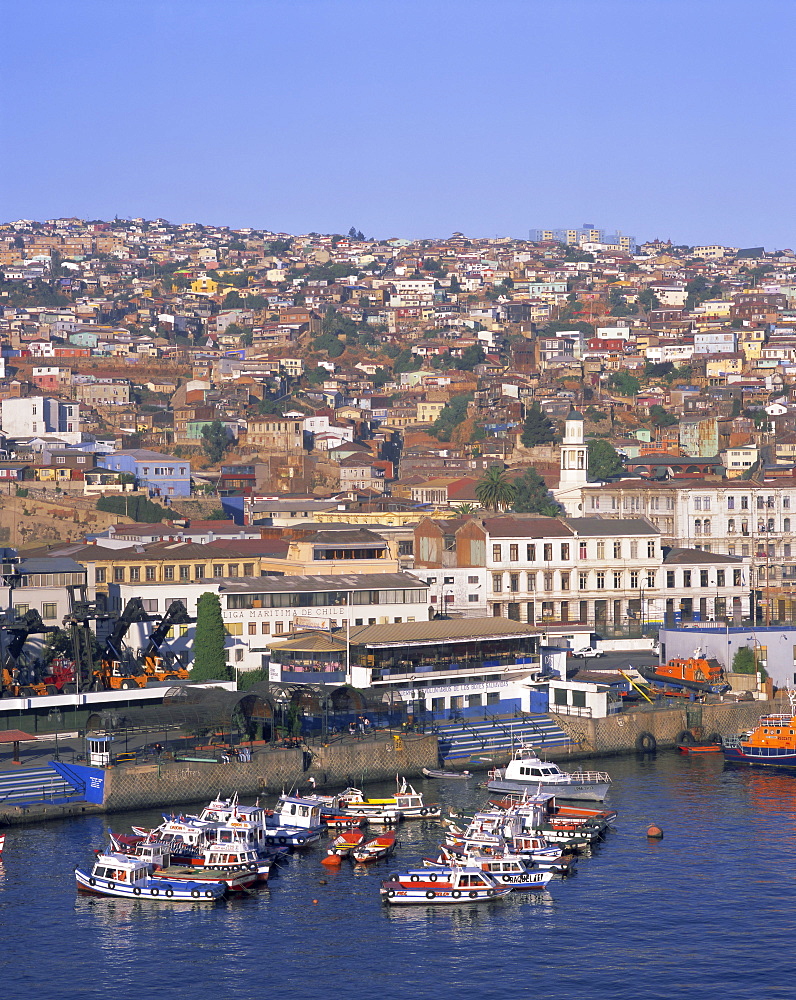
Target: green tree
x=661 y=417
x=215 y=440
x=471 y=356
x=745 y=662
x=405 y=361
x=210 y=662
x=138 y=508
x=495 y=490
x=625 y=385
x=452 y=414
x=463 y=509
x=648 y=299
x=538 y=428
x=532 y=496
x=604 y=460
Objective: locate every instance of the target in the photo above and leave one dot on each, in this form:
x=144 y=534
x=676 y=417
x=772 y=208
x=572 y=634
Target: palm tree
x=463 y=509
x=495 y=490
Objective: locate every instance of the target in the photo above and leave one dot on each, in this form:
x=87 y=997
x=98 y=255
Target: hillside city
x=563 y=436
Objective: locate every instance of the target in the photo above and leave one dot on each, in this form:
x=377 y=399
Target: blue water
x=706 y=912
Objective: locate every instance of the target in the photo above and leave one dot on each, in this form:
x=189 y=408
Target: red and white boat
x=374 y=850
x=426 y=886
x=342 y=846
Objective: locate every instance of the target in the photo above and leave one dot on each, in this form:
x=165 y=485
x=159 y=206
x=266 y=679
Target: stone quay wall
x=269 y=772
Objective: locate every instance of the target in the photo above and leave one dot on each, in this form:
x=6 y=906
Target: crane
x=160 y=666
x=19 y=629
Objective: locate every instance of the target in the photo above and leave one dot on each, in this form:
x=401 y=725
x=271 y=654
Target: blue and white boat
x=130 y=878
x=296 y=822
x=506 y=869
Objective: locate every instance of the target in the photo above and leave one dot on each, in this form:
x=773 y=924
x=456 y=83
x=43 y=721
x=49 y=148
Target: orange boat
x=696 y=674
x=699 y=747
x=375 y=850
x=342 y=846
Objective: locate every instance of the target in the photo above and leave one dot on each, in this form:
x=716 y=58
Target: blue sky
x=663 y=118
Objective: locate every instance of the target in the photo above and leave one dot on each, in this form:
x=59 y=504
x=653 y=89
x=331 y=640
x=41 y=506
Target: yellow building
x=204 y=286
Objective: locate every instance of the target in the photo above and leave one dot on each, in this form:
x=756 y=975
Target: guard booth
x=98 y=750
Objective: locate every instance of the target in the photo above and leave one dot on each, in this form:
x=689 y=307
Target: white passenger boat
x=406 y=804
x=442 y=886
x=525 y=772
x=506 y=869
x=120 y=876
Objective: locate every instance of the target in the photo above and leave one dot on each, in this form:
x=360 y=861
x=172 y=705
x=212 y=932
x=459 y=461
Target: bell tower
x=574 y=466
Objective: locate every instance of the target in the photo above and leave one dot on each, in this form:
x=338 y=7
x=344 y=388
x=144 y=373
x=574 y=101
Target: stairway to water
x=475 y=738
x=27 y=785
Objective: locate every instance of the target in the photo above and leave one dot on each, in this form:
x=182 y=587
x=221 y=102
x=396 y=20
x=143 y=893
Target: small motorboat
x=405 y=804
x=431 y=772
x=119 y=876
x=699 y=747
x=374 y=850
x=445 y=885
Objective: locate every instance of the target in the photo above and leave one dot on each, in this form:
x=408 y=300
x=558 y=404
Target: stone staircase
x=34 y=784
x=473 y=738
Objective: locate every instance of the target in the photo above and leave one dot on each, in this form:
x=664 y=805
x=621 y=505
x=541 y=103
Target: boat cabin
x=120 y=868
x=156 y=853
x=293 y=810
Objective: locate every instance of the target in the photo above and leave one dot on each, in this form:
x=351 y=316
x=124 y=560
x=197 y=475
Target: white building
x=35 y=416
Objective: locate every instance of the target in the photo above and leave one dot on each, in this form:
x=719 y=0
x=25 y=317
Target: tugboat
x=772 y=743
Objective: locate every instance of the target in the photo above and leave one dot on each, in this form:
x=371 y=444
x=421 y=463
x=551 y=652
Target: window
x=761 y=503
x=617 y=550
x=218 y=570
x=530 y=553
x=565 y=581
x=565 y=551
x=634 y=550
x=650 y=550
x=472 y=579
x=698 y=526
x=601 y=580
x=199 y=571
x=150 y=604
x=49 y=610
x=168 y=572
x=548 y=581
x=582 y=550
x=234 y=628
x=697 y=503
x=601 y=550
x=472 y=598
x=670 y=579
x=118 y=574
x=617 y=581
x=135 y=574
x=706 y=526
x=497 y=555
x=279 y=628
x=786 y=503
x=265 y=628
x=531 y=581
x=185 y=572
x=730 y=550
x=634 y=579
x=583 y=581
x=651 y=575
x=705 y=503
x=233 y=569
x=100 y=575
x=786 y=524
x=151 y=573
x=744 y=503
x=719 y=578
x=497 y=583
x=703 y=578
x=514 y=583
x=548 y=551
x=731 y=526
x=252 y=628
x=686 y=577
x=514 y=553
x=786 y=550
x=21 y=609
x=730 y=503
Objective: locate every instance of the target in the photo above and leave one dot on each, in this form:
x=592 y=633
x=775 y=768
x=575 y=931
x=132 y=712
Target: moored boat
x=506 y=869
x=431 y=772
x=237 y=867
x=406 y=804
x=374 y=850
x=120 y=876
x=525 y=772
x=343 y=845
x=443 y=886
x=772 y=743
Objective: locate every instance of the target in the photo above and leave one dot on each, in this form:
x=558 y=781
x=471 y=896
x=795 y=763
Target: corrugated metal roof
x=440 y=630
x=342 y=581
x=587 y=526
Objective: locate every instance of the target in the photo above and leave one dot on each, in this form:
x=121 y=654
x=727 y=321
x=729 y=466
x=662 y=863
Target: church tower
x=574 y=465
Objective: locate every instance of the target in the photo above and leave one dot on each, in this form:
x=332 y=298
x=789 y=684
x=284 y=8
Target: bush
x=139 y=508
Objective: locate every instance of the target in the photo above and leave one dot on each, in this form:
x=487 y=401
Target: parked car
x=587 y=651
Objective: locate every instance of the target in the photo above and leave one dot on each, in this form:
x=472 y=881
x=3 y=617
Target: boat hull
x=164 y=892
x=397 y=894
x=743 y=755
x=577 y=790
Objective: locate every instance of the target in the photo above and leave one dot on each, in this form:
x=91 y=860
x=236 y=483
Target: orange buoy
x=654 y=832
x=315 y=902
x=333 y=860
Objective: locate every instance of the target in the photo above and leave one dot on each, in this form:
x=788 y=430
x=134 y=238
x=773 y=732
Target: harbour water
x=706 y=912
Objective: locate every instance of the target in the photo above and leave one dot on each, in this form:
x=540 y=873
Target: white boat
x=238 y=867
x=525 y=772
x=120 y=876
x=506 y=869
x=442 y=886
x=406 y=804
x=296 y=822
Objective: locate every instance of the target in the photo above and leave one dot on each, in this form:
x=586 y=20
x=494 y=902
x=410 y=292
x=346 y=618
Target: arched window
x=698 y=526
x=731 y=526
x=706 y=526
